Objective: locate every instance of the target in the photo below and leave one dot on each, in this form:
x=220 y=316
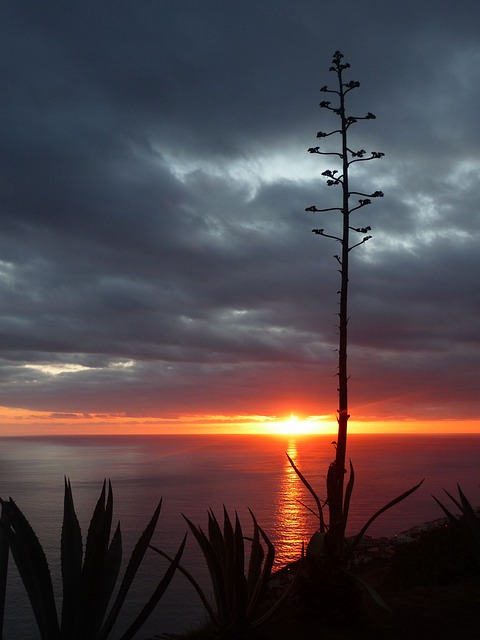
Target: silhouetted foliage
x=238 y=592
x=469 y=520
x=89 y=576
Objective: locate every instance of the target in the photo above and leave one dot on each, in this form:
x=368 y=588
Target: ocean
x=195 y=473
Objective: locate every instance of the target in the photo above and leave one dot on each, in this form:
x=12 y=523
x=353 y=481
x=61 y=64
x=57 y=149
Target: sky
x=158 y=270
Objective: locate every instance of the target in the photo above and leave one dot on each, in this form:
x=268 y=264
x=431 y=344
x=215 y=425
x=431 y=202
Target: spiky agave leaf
x=389 y=505
x=348 y=496
x=216 y=538
x=262 y=584
x=96 y=531
x=263 y=572
x=214 y=566
x=449 y=514
x=33 y=568
x=90 y=594
x=467 y=508
x=193 y=582
x=71 y=551
x=133 y=565
x=233 y=554
x=308 y=508
x=463 y=505
x=217 y=546
x=111 y=569
x=470 y=518
x=239 y=584
x=156 y=596
x=312 y=492
x=454 y=500
x=255 y=563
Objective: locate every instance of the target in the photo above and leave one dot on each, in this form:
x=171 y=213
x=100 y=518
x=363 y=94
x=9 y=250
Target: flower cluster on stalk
x=333 y=177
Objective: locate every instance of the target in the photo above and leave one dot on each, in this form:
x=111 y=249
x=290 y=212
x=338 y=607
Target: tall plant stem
x=336 y=498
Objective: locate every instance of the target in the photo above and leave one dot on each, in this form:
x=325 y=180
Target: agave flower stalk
x=347 y=157
x=89 y=577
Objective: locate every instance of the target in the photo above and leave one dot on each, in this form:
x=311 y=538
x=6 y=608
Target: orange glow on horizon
x=296 y=426
x=22 y=422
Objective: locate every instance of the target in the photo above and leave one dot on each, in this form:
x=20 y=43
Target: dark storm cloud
x=153 y=181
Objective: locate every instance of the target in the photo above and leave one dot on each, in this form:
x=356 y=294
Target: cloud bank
x=156 y=258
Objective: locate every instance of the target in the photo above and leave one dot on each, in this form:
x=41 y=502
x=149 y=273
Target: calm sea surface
x=195 y=473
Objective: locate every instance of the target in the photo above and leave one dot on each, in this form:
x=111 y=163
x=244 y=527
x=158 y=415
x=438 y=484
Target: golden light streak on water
x=293 y=522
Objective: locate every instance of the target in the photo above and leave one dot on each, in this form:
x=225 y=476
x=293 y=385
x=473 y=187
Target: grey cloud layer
x=154 y=177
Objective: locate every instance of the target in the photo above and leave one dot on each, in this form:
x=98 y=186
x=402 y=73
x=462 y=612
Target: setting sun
x=298 y=426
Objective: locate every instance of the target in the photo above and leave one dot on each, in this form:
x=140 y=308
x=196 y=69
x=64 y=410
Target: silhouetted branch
x=361 y=229
x=323 y=153
x=363 y=203
x=325 y=104
x=375 y=155
x=325 y=89
x=321 y=232
x=314 y=209
x=360 y=153
x=322 y=134
x=359 y=243
x=375 y=194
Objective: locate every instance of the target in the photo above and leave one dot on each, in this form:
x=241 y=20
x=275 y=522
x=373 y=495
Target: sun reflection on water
x=293 y=523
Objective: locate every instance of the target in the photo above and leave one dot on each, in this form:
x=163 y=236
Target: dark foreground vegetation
x=431 y=587
x=425 y=587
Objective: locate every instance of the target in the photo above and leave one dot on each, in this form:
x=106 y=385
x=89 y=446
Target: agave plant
x=239 y=596
x=469 y=517
x=350 y=546
x=323 y=556
x=89 y=577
